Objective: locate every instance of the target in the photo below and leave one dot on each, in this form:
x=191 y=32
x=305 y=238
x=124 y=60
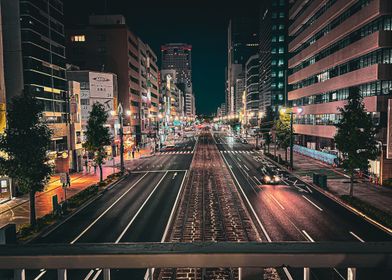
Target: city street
x=291 y=210
x=137 y=209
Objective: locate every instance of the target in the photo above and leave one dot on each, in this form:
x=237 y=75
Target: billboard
x=101 y=85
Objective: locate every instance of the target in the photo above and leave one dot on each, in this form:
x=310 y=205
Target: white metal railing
x=200 y=255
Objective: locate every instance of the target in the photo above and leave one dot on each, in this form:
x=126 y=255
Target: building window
x=78 y=38
x=281 y=50
x=281 y=38
x=280 y=74
x=273 y=38
x=273 y=50
x=281 y=62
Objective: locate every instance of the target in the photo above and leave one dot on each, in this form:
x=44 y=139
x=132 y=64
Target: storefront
x=6 y=191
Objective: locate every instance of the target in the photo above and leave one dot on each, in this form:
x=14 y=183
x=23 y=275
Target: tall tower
x=178 y=57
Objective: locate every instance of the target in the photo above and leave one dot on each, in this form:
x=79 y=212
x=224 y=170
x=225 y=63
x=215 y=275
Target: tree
x=24 y=145
x=266 y=125
x=97 y=135
x=283 y=132
x=356 y=136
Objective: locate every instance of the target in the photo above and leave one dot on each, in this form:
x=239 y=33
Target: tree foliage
x=24 y=147
x=97 y=135
x=356 y=136
x=283 y=132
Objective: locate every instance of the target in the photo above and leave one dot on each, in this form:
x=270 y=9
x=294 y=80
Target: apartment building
x=338 y=45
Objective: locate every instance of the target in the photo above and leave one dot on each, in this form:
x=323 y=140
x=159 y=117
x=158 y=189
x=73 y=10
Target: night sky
x=200 y=23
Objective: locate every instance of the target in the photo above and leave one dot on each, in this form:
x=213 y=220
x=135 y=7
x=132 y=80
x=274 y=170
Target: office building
x=34 y=61
x=337 y=46
x=178 y=57
x=252 y=89
x=273 y=55
x=242 y=43
x=106 y=44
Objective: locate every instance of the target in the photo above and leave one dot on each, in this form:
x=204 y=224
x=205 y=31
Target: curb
x=337 y=200
x=50 y=228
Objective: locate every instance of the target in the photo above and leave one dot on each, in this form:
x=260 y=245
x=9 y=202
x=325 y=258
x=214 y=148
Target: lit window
x=78 y=38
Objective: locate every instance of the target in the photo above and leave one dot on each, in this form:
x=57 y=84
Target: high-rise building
x=239 y=91
x=273 y=54
x=339 y=46
x=252 y=89
x=178 y=57
x=106 y=44
x=34 y=61
x=242 y=43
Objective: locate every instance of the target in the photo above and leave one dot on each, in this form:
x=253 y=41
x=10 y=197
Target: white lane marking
x=257 y=180
x=308 y=236
x=357 y=237
x=89 y=274
x=174 y=207
x=308 y=189
x=311 y=202
x=288 y=275
x=250 y=205
x=97 y=275
x=246 y=167
x=239 y=159
x=40 y=275
x=254 y=214
x=277 y=202
x=140 y=209
x=110 y=207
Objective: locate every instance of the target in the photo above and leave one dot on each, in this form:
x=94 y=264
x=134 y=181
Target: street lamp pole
x=121 y=120
x=291 y=141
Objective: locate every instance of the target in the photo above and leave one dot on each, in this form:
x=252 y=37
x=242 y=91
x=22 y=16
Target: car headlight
x=267 y=178
x=276 y=179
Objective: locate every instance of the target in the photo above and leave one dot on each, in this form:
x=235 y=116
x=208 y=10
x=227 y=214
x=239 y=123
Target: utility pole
x=120 y=120
x=291 y=141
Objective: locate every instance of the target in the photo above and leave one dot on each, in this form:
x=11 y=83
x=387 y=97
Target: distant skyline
x=199 y=23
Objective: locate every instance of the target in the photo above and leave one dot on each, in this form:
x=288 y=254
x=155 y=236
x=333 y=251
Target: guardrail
x=325 y=157
x=200 y=255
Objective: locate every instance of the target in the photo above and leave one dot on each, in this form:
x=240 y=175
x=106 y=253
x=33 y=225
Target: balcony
x=325 y=131
x=365 y=45
x=360 y=76
x=375 y=9
x=333 y=12
x=306 y=255
x=370 y=102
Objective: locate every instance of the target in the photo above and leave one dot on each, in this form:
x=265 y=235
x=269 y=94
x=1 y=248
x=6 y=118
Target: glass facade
x=43 y=50
x=273 y=55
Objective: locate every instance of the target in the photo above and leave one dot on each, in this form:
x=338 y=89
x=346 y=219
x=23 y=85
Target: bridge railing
x=199 y=255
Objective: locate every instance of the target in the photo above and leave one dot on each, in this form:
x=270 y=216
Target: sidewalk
x=339 y=183
x=17 y=210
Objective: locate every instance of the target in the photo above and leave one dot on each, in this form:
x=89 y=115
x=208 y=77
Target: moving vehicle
x=270 y=176
x=168 y=148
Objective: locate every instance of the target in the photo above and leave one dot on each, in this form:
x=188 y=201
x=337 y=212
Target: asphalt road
x=292 y=211
x=137 y=209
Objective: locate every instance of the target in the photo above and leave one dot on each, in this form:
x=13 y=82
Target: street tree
x=24 y=145
x=97 y=135
x=356 y=136
x=283 y=132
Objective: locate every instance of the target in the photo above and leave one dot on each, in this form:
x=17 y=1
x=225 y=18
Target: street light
x=120 y=112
